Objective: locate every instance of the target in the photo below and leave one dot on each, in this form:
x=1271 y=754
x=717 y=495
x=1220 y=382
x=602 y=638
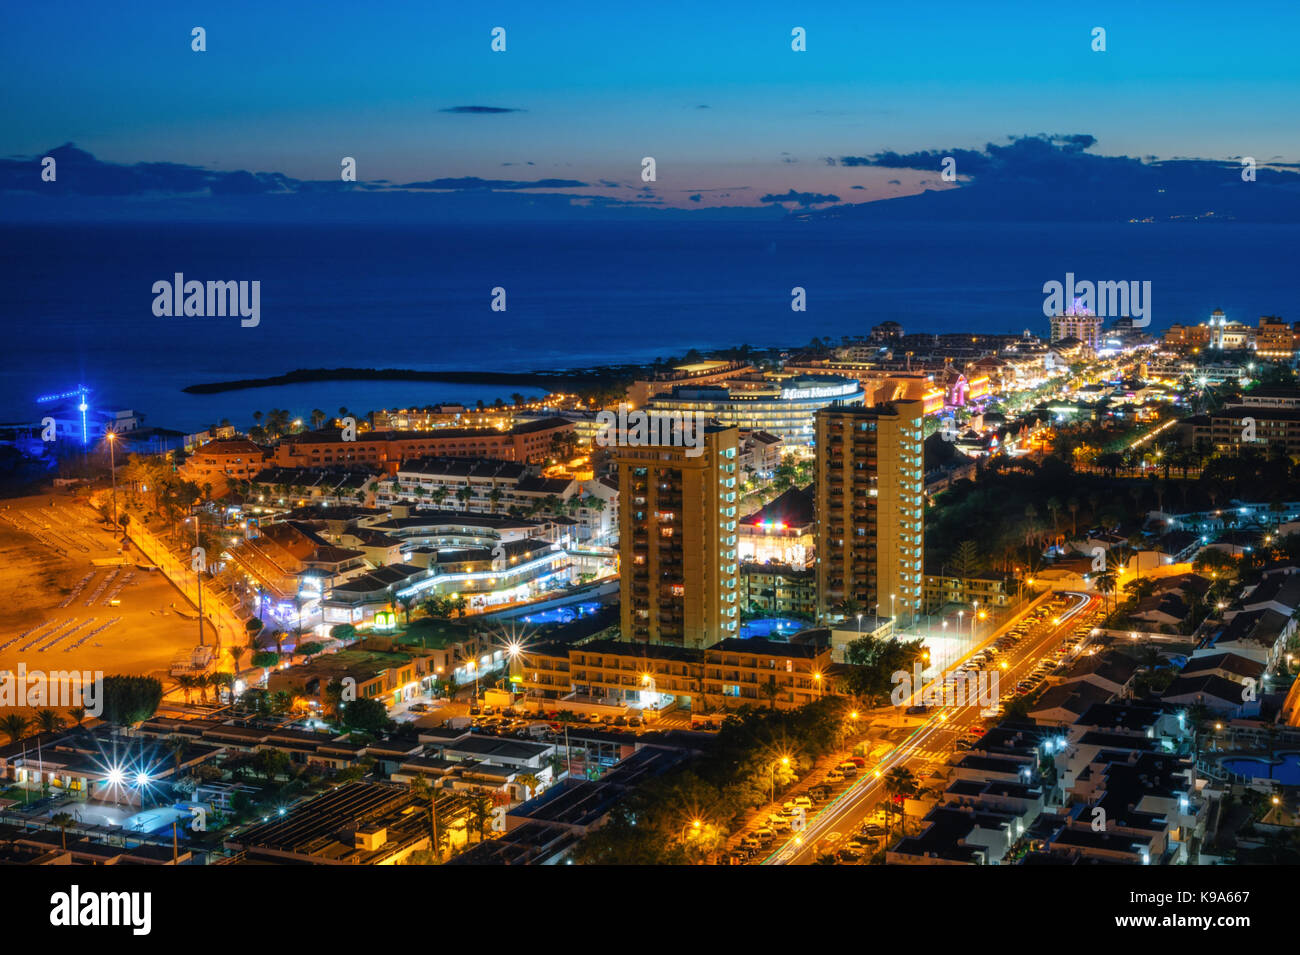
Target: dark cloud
x=694 y=198
x=474 y=182
x=857 y=187
x=80 y=173
x=801 y=198
x=1054 y=177
x=480 y=110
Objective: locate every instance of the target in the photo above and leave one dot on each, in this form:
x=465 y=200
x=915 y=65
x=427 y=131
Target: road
x=932 y=741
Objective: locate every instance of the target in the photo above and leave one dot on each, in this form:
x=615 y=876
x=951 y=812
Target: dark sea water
x=76 y=302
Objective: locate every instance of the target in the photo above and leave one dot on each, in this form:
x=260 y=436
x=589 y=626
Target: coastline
x=574 y=379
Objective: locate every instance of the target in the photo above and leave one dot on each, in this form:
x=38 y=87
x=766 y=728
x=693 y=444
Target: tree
x=14 y=726
x=900 y=783
x=480 y=810
x=1105 y=583
x=48 y=721
x=130 y=699
x=423 y=790
x=771 y=691
x=65 y=822
x=965 y=564
x=370 y=716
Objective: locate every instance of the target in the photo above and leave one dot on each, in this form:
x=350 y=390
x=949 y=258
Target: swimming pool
x=1285 y=771
x=566 y=614
x=772 y=628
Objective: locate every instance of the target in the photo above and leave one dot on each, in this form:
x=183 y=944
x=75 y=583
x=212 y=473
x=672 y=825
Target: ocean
x=77 y=301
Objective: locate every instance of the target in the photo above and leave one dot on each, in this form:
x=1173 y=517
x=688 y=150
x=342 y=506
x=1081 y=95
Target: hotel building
x=870 y=484
x=678 y=578
x=1080 y=325
x=533 y=442
x=782 y=405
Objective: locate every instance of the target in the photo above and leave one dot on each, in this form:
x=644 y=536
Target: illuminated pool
x=561 y=614
x=1286 y=770
x=772 y=628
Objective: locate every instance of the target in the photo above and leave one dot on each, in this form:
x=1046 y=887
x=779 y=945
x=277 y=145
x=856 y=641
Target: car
x=733 y=858
x=595 y=718
x=751 y=842
x=848 y=768
x=871 y=830
x=475 y=710
x=819 y=793
x=918 y=708
x=764 y=834
x=489 y=710
x=634 y=722
x=858 y=761
x=834 y=776
x=964 y=744
x=620 y=721
x=848 y=854
x=778 y=823
x=418 y=707
x=976 y=730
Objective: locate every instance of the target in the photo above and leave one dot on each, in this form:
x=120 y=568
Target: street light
x=111 y=436
x=784 y=761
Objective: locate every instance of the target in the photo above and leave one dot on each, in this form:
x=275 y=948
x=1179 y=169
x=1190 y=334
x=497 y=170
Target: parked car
x=834 y=776
x=848 y=768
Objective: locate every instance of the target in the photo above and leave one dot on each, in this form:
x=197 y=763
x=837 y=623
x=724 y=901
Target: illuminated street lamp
x=784 y=761
x=111 y=436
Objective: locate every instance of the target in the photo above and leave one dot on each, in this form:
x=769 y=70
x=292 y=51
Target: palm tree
x=771 y=691
x=423 y=790
x=65 y=822
x=78 y=714
x=235 y=653
x=14 y=726
x=899 y=781
x=186 y=683
x=481 y=811
x=49 y=721
x=530 y=783
x=406 y=601
x=1105 y=582
x=317 y=419
x=848 y=607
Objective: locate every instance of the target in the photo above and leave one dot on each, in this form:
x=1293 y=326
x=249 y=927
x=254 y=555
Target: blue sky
x=712 y=91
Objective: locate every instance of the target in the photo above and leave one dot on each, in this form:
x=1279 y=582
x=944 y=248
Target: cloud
x=474 y=182
x=801 y=198
x=694 y=198
x=1054 y=177
x=80 y=173
x=481 y=110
